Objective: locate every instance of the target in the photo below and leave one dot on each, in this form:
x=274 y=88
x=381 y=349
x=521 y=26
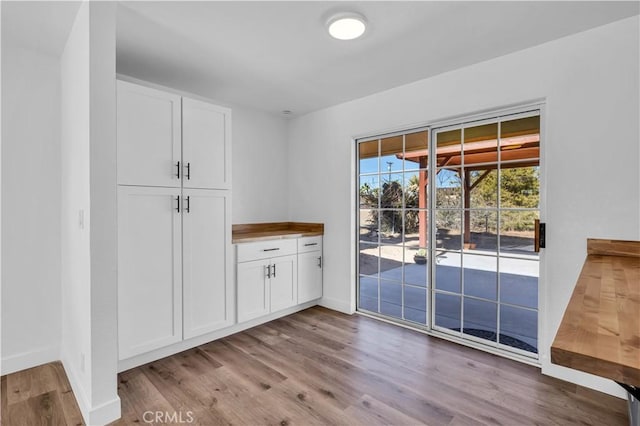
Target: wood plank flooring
x=38 y=396
x=320 y=367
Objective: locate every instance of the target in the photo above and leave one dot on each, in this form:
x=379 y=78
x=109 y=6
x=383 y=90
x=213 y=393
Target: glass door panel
x=394 y=226
x=486 y=202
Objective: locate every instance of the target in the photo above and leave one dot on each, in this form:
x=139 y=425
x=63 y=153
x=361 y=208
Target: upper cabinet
x=206 y=150
x=149 y=136
x=166 y=140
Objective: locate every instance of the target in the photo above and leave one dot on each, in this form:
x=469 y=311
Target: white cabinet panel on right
x=206 y=148
x=208 y=292
x=284 y=283
x=309 y=276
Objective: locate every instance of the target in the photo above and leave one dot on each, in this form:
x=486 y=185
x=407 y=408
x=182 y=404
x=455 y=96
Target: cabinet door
x=206 y=148
x=149 y=269
x=309 y=276
x=253 y=289
x=148 y=136
x=284 y=282
x=206 y=244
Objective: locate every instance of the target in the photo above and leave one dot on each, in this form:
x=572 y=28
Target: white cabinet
x=277 y=274
x=174 y=219
x=206 y=150
x=207 y=287
x=168 y=140
x=309 y=276
x=149 y=269
x=284 y=283
x=266 y=284
x=253 y=289
x=309 y=269
x=148 y=136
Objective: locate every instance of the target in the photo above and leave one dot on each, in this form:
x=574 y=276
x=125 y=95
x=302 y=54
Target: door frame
x=462 y=119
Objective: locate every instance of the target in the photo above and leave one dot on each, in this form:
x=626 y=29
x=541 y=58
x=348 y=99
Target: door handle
x=268 y=268
x=320 y=262
x=539 y=235
x=187 y=207
x=178 y=170
x=178 y=200
x=274 y=270
x=188 y=171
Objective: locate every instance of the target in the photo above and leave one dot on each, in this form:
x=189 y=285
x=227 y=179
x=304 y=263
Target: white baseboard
x=98 y=415
x=22 y=361
x=105 y=413
x=138 y=360
x=587 y=380
x=336 y=305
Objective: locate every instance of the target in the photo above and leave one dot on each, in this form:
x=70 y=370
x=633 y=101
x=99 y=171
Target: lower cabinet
x=277 y=274
x=266 y=285
x=309 y=276
x=207 y=288
x=174 y=266
x=149 y=269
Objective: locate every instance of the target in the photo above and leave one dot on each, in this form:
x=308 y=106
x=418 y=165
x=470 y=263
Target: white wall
x=591 y=154
x=75 y=247
x=31 y=208
x=260 y=153
x=89 y=327
x=105 y=403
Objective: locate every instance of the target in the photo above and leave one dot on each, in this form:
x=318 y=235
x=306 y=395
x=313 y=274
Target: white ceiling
x=278 y=56
x=42 y=26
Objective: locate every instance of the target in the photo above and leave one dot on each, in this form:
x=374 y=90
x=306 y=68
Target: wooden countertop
x=249 y=232
x=600 y=330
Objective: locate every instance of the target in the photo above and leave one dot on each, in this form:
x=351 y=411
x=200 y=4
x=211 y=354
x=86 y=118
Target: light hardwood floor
x=322 y=367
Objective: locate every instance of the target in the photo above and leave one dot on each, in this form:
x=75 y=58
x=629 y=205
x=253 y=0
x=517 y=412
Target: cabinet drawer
x=308 y=244
x=265 y=249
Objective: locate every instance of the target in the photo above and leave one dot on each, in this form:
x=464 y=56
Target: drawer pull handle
x=271 y=249
x=311 y=244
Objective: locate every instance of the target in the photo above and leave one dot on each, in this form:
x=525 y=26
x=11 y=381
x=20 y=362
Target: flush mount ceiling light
x=346 y=26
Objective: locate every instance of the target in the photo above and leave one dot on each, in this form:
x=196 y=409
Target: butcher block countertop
x=250 y=232
x=600 y=330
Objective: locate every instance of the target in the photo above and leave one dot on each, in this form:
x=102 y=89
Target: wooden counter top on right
x=600 y=330
x=250 y=232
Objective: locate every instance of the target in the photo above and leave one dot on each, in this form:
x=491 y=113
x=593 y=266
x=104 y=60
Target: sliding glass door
x=457 y=256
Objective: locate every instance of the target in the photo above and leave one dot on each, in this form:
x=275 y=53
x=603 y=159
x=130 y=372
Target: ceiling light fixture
x=346 y=26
